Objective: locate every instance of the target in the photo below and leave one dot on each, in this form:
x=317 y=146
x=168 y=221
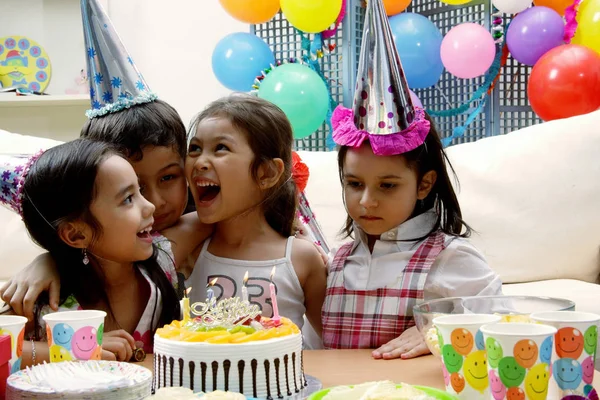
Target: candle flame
x=187 y=291
x=245 y=278
x=212 y=283
x=273 y=273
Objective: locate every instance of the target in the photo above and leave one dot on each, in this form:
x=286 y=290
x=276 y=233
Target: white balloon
x=511 y=6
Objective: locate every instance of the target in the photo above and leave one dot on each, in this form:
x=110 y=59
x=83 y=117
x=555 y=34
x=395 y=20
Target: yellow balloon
x=588 y=25
x=311 y=16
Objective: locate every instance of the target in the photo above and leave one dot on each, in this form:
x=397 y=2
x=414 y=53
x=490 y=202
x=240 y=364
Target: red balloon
x=565 y=82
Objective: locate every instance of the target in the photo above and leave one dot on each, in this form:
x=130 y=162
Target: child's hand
x=117 y=346
x=410 y=344
x=23 y=289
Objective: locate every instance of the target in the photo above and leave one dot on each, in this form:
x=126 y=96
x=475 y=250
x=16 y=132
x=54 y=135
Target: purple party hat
x=383 y=112
x=115 y=81
x=13 y=170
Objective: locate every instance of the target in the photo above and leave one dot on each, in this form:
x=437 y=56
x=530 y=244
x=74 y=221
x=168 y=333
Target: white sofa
x=533 y=196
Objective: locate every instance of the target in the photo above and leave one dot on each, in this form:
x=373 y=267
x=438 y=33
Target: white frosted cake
x=238 y=352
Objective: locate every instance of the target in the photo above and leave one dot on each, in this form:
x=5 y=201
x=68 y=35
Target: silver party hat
x=115 y=81
x=382 y=103
x=382 y=112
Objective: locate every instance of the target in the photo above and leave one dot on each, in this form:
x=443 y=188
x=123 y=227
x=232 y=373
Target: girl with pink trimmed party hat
x=410 y=240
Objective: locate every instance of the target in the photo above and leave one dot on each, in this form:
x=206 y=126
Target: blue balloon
x=479 y=340
x=62 y=335
x=418 y=42
x=239 y=58
x=567 y=373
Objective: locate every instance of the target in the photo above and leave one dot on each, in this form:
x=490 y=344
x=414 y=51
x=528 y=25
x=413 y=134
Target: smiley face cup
x=519 y=360
x=75 y=335
x=464 y=361
x=14 y=326
x=574 y=351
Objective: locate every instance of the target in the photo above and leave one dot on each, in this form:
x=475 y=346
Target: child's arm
x=409 y=344
x=312 y=274
x=23 y=289
x=186 y=237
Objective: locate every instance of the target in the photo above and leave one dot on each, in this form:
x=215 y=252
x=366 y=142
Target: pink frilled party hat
x=383 y=112
x=13 y=170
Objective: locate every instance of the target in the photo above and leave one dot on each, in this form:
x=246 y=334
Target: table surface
x=346 y=367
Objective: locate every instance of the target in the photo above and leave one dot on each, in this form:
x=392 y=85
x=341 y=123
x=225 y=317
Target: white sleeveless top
x=230 y=274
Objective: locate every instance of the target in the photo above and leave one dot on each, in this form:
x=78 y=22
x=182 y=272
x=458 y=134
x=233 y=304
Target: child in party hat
x=149 y=132
x=81 y=202
x=410 y=239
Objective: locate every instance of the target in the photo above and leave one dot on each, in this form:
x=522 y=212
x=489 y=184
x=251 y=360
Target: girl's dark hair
x=430 y=156
x=269 y=134
x=59 y=188
x=132 y=129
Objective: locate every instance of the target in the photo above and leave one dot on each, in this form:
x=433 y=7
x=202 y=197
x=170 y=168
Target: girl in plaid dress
x=409 y=236
x=409 y=246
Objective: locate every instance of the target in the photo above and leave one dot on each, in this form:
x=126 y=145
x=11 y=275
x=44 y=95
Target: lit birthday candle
x=244 y=288
x=186 y=305
x=210 y=294
x=276 y=317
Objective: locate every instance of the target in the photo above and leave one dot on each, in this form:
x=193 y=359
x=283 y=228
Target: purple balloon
x=415 y=100
x=533 y=33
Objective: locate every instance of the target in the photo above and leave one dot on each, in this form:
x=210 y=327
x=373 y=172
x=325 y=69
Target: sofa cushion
x=16 y=249
x=584 y=294
x=13 y=143
x=532 y=196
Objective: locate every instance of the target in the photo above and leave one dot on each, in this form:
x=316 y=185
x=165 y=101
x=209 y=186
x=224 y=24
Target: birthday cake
x=230 y=347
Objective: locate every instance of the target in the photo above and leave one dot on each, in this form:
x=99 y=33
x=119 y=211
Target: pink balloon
x=415 y=100
x=468 y=50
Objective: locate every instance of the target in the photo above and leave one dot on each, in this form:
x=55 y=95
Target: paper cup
x=14 y=326
x=519 y=360
x=75 y=335
x=463 y=354
x=574 y=351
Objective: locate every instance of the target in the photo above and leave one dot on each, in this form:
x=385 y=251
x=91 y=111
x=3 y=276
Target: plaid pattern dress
x=366 y=319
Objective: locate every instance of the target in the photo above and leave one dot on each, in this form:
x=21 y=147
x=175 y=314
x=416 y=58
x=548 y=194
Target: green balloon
x=494 y=352
x=591 y=339
x=511 y=373
x=100 y=334
x=300 y=93
x=452 y=360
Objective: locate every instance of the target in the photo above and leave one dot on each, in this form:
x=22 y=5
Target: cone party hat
x=115 y=81
x=382 y=112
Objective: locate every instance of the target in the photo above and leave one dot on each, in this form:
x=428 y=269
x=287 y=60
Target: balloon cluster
x=565 y=79
x=244 y=62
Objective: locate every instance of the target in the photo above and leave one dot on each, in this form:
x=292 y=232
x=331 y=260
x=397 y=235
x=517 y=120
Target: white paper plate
x=89 y=380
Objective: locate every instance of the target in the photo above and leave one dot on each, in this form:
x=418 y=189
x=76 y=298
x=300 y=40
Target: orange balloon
x=393 y=7
x=557 y=5
x=251 y=11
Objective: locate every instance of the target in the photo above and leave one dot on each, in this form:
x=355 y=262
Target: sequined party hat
x=383 y=112
x=115 y=81
x=13 y=170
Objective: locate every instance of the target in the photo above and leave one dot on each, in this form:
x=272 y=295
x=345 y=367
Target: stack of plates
x=77 y=380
